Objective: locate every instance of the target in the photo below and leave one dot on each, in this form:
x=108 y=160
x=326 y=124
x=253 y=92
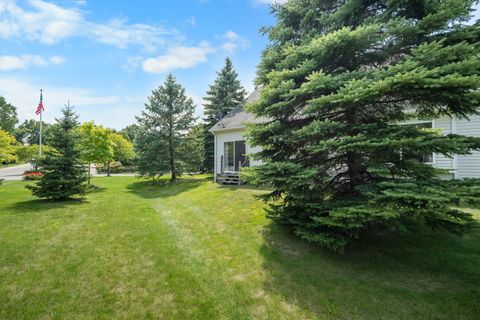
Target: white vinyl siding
x=441 y=161
x=460 y=166
x=229 y=136
x=469 y=165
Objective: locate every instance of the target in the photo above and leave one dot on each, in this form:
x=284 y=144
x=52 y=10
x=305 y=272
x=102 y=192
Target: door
x=234 y=155
x=239 y=154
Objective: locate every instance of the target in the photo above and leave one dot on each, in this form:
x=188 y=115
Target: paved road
x=14 y=173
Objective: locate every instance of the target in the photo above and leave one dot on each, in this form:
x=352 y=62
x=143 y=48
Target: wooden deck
x=229 y=178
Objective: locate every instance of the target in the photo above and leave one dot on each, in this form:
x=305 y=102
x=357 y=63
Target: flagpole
x=40 y=140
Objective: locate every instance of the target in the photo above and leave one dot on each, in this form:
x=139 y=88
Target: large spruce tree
x=163 y=126
x=338 y=80
x=64 y=174
x=223 y=95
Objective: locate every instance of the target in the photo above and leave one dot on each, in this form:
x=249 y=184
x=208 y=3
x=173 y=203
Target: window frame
x=415 y=122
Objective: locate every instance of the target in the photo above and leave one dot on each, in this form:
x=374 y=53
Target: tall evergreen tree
x=163 y=126
x=223 y=95
x=64 y=174
x=339 y=78
x=193 y=145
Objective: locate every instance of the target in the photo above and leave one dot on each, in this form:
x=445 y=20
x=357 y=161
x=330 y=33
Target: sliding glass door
x=234 y=155
x=229 y=156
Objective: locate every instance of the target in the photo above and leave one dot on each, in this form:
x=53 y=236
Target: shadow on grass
x=245 y=187
x=164 y=188
x=91 y=188
x=387 y=270
x=39 y=205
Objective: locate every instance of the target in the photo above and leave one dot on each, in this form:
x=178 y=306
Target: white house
x=231 y=145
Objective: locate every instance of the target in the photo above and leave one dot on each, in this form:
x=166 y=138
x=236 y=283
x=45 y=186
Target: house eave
x=226 y=129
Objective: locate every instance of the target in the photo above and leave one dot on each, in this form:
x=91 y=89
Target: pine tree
x=338 y=80
x=223 y=95
x=64 y=175
x=193 y=145
x=163 y=126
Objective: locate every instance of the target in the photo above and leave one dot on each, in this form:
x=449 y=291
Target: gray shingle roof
x=238 y=117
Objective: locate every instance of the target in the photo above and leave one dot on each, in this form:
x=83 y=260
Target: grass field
x=196 y=250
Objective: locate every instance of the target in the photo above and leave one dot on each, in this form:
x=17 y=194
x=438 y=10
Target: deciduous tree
x=8 y=116
x=29 y=132
x=95 y=145
x=122 y=150
x=8 y=146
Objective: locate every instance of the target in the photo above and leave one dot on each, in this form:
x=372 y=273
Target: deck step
x=229 y=179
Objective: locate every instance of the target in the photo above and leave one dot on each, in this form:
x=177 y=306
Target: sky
x=106 y=57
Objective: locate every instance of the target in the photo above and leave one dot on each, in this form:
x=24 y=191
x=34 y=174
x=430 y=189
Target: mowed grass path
x=196 y=250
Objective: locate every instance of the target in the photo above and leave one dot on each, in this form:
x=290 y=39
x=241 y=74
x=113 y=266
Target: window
x=234 y=155
x=229 y=162
x=428 y=158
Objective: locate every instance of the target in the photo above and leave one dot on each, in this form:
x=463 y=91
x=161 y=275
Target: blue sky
x=107 y=56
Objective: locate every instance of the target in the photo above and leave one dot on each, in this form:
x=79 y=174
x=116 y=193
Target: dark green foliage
x=64 y=175
x=224 y=95
x=163 y=125
x=29 y=132
x=8 y=116
x=130 y=132
x=339 y=78
x=193 y=146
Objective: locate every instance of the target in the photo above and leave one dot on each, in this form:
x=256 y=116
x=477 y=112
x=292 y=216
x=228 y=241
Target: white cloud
x=49 y=23
x=24 y=95
x=56 y=60
x=121 y=34
x=46 y=22
x=24 y=61
x=109 y=111
x=192 y=21
x=233 y=42
x=132 y=64
x=178 y=57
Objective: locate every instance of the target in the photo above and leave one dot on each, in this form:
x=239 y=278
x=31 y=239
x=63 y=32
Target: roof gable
x=238 y=116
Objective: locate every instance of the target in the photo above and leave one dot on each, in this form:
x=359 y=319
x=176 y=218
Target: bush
x=116 y=167
x=32 y=175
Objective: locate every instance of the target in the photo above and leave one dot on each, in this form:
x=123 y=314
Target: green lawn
x=196 y=250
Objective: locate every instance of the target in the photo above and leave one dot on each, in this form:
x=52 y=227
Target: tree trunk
x=171 y=153
x=355 y=170
x=89 y=173
x=108 y=169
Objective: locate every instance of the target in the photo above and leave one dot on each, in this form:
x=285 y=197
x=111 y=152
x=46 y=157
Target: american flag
x=40 y=108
